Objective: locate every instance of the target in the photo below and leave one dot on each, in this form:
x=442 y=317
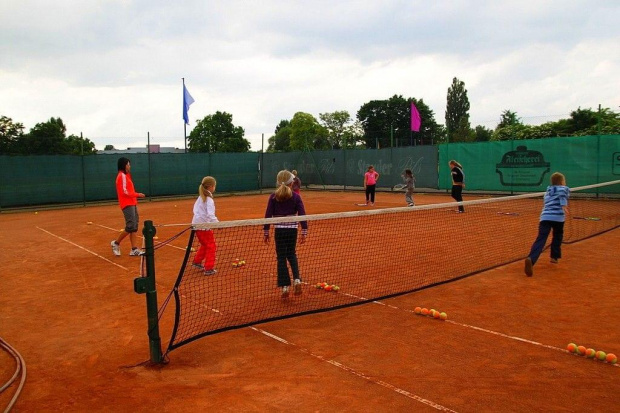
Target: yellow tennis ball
x=443 y=316
x=601 y=355
x=590 y=353
x=572 y=347
x=611 y=358
x=418 y=310
x=36 y=213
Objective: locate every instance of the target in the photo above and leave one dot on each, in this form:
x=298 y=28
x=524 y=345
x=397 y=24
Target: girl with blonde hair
x=283 y=203
x=204 y=213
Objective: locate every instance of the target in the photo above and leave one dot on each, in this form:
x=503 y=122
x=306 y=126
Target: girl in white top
x=204 y=213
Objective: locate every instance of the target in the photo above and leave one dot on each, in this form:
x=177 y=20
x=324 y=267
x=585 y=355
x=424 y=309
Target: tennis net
x=369 y=255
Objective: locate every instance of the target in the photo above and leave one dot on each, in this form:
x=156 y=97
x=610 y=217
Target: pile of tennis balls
x=439 y=315
x=592 y=354
x=326 y=287
x=238 y=263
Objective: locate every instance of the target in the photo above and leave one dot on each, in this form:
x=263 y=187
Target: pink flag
x=416 y=121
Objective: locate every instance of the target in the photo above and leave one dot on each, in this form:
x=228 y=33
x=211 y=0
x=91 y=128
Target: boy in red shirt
x=128 y=201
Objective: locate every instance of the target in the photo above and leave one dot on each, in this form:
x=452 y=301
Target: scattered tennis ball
x=89 y=223
x=328 y=288
x=425 y=311
x=436 y=314
x=318 y=285
x=36 y=212
x=417 y=310
x=335 y=288
x=242 y=262
x=581 y=350
x=611 y=358
x=175 y=206
x=443 y=316
x=590 y=353
x=601 y=355
x=155 y=237
x=193 y=249
x=572 y=347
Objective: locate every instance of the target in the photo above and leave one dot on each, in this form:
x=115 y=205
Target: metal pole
x=184 y=124
x=146 y=285
x=83 y=172
x=148 y=157
x=261 y=165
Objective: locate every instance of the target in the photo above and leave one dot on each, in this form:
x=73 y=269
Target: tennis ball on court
x=417 y=310
x=590 y=353
x=425 y=311
x=601 y=355
x=328 y=288
x=581 y=350
x=443 y=316
x=437 y=315
x=572 y=347
x=241 y=262
x=89 y=223
x=611 y=358
x=36 y=212
x=318 y=285
x=175 y=206
x=234 y=264
x=335 y=288
x=156 y=237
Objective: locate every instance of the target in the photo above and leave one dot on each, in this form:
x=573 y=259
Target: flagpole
x=184 y=124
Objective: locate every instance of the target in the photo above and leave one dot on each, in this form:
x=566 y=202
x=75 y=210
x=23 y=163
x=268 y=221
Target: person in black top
x=458 y=183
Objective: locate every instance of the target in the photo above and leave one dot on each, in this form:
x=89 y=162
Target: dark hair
x=122 y=163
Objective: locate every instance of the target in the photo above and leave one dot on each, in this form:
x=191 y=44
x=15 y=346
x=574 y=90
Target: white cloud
x=112 y=69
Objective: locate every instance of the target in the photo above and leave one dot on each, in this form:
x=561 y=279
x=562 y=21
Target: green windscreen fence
x=347 y=167
x=526 y=165
x=507 y=166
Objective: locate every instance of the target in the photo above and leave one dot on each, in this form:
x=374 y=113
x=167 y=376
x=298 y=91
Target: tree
x=482 y=134
x=457 y=113
x=387 y=122
x=337 y=127
x=508 y=118
x=76 y=145
x=281 y=141
x=307 y=133
x=46 y=138
x=10 y=135
x=109 y=148
x=216 y=133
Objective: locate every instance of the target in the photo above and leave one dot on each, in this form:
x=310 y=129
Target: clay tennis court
x=69 y=308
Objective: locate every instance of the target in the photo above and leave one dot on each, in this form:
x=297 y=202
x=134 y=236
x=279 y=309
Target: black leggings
x=457 y=194
x=286 y=240
x=370 y=193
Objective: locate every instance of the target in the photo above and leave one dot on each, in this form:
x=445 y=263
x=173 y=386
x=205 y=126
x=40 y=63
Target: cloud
x=112 y=69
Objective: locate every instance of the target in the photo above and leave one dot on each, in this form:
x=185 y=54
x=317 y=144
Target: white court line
x=115 y=230
x=357 y=373
x=85 y=249
x=496 y=333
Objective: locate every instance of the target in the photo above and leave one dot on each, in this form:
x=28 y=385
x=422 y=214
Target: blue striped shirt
x=556 y=197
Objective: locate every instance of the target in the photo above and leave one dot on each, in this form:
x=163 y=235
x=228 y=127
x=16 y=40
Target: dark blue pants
x=286 y=241
x=370 y=193
x=544 y=228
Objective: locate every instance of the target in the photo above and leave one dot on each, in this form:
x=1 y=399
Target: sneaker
x=198 y=266
x=554 y=260
x=410 y=205
x=210 y=272
x=297 y=287
x=116 y=249
x=135 y=252
x=529 y=267
x=285 y=291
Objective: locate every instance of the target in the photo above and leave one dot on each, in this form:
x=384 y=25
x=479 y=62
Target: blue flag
x=187 y=101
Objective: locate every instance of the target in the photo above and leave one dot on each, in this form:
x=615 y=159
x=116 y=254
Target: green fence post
x=146 y=285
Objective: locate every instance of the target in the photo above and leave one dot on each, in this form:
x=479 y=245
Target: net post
x=146 y=285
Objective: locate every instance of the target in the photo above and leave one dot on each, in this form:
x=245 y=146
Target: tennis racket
x=588 y=218
x=398 y=187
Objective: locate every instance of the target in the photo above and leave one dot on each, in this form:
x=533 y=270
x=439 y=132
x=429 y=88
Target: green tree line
x=377 y=124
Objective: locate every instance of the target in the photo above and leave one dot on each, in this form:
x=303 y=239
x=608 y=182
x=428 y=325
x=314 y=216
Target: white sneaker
x=116 y=249
x=285 y=291
x=135 y=252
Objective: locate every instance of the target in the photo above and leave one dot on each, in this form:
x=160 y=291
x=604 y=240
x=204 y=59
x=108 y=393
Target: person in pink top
x=370 y=184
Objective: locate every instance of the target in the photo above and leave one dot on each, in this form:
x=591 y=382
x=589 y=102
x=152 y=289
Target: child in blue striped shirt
x=552 y=218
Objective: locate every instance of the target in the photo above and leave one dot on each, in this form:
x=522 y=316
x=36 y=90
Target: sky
x=113 y=69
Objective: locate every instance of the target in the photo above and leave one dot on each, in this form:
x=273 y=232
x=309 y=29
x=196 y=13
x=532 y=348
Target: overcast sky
x=112 y=69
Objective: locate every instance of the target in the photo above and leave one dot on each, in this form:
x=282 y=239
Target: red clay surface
x=69 y=308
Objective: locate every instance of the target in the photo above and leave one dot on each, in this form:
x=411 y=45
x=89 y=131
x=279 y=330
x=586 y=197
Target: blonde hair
x=294 y=172
x=453 y=162
x=558 y=179
x=283 y=182
x=203 y=191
